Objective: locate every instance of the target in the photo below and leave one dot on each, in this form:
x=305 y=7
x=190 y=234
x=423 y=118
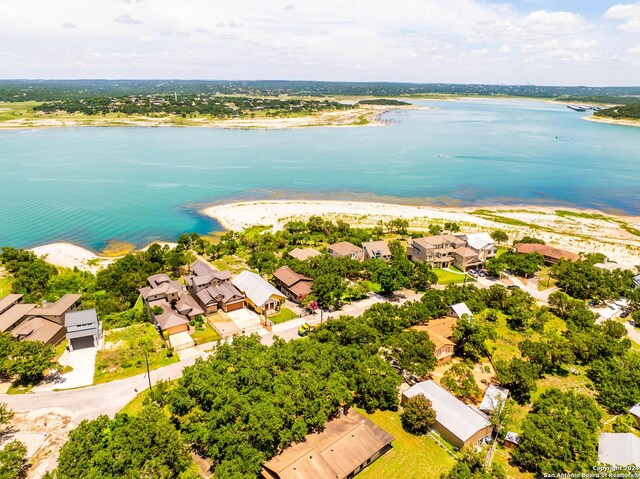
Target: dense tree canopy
x=560 y=434
x=146 y=445
x=417 y=415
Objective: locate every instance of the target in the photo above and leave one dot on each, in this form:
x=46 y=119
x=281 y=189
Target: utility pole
x=146 y=358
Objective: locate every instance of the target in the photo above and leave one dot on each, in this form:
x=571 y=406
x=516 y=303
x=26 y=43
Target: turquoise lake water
x=92 y=185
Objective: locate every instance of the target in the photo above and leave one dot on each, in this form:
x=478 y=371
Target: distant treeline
x=50 y=90
x=173 y=104
x=631 y=112
x=383 y=101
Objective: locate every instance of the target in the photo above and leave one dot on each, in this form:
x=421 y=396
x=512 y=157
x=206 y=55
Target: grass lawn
x=235 y=264
x=285 y=314
x=123 y=357
x=502 y=457
x=5 y=286
x=412 y=457
x=451 y=275
x=209 y=334
x=501 y=250
x=545 y=281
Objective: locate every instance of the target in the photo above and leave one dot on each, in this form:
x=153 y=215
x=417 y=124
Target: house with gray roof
x=635 y=412
x=376 y=250
x=619 y=449
x=83 y=328
x=493 y=398
x=458 y=310
x=458 y=423
x=259 y=294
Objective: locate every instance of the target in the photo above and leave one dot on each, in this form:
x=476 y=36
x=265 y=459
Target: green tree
x=328 y=290
x=13 y=457
x=470 y=336
x=519 y=377
x=560 y=434
x=423 y=277
x=499 y=236
x=30 y=359
x=460 y=381
x=617 y=380
x=417 y=415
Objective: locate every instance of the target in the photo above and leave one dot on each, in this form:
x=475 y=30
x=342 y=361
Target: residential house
x=304 y=254
x=466 y=258
x=292 y=284
x=39 y=329
x=341 y=450
x=55 y=312
x=225 y=296
x=619 y=449
x=440 y=331
x=512 y=440
x=458 y=423
x=259 y=294
x=436 y=251
x=9 y=301
x=169 y=305
x=458 y=310
x=376 y=250
x=212 y=289
x=482 y=244
x=83 y=328
x=550 y=254
x=346 y=249
x=635 y=412
x=636 y=281
x=493 y=398
x=14 y=315
x=27 y=322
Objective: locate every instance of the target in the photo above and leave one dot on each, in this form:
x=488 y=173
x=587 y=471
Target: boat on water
x=577 y=108
x=441 y=155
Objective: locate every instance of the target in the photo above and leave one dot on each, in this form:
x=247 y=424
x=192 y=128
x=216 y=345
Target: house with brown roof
x=294 y=285
x=345 y=447
x=345 y=249
x=465 y=258
x=304 y=254
x=14 y=315
x=550 y=254
x=39 y=329
x=55 y=311
x=440 y=331
x=8 y=301
x=376 y=250
x=436 y=251
x=213 y=289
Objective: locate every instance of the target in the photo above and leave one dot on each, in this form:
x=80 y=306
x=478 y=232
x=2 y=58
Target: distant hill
x=50 y=90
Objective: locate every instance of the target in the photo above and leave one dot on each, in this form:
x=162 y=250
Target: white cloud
x=628 y=14
x=69 y=25
x=416 y=40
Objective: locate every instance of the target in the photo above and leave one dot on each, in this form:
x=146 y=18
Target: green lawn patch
x=501 y=250
x=412 y=457
x=205 y=335
x=285 y=314
x=545 y=280
x=5 y=286
x=579 y=214
x=123 y=355
x=451 y=276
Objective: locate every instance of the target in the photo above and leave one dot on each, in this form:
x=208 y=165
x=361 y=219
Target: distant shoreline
x=368 y=115
x=613 y=121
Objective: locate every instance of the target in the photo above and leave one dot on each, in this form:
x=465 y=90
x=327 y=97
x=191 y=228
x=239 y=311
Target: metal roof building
x=458 y=423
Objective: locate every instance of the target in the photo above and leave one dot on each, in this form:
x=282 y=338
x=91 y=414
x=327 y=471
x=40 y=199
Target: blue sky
x=559 y=42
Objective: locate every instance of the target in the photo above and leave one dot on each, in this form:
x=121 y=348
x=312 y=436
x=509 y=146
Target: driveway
x=83 y=362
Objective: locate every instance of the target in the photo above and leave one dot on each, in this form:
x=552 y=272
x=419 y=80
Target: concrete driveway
x=83 y=362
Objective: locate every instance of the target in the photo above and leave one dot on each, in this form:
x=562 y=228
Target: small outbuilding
x=458 y=310
x=493 y=398
x=512 y=440
x=83 y=328
x=619 y=449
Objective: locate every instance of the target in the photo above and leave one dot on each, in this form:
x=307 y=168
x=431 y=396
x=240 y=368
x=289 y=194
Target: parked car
x=624 y=314
x=632 y=322
x=304 y=330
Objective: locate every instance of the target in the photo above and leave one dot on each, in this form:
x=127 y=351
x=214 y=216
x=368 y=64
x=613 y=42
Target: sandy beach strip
x=612 y=121
x=577 y=234
x=68 y=255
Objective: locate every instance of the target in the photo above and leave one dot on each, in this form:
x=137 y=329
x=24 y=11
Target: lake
x=92 y=185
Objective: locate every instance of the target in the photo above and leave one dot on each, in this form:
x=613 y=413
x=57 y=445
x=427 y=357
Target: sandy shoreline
x=612 y=121
x=577 y=234
x=368 y=115
x=574 y=233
